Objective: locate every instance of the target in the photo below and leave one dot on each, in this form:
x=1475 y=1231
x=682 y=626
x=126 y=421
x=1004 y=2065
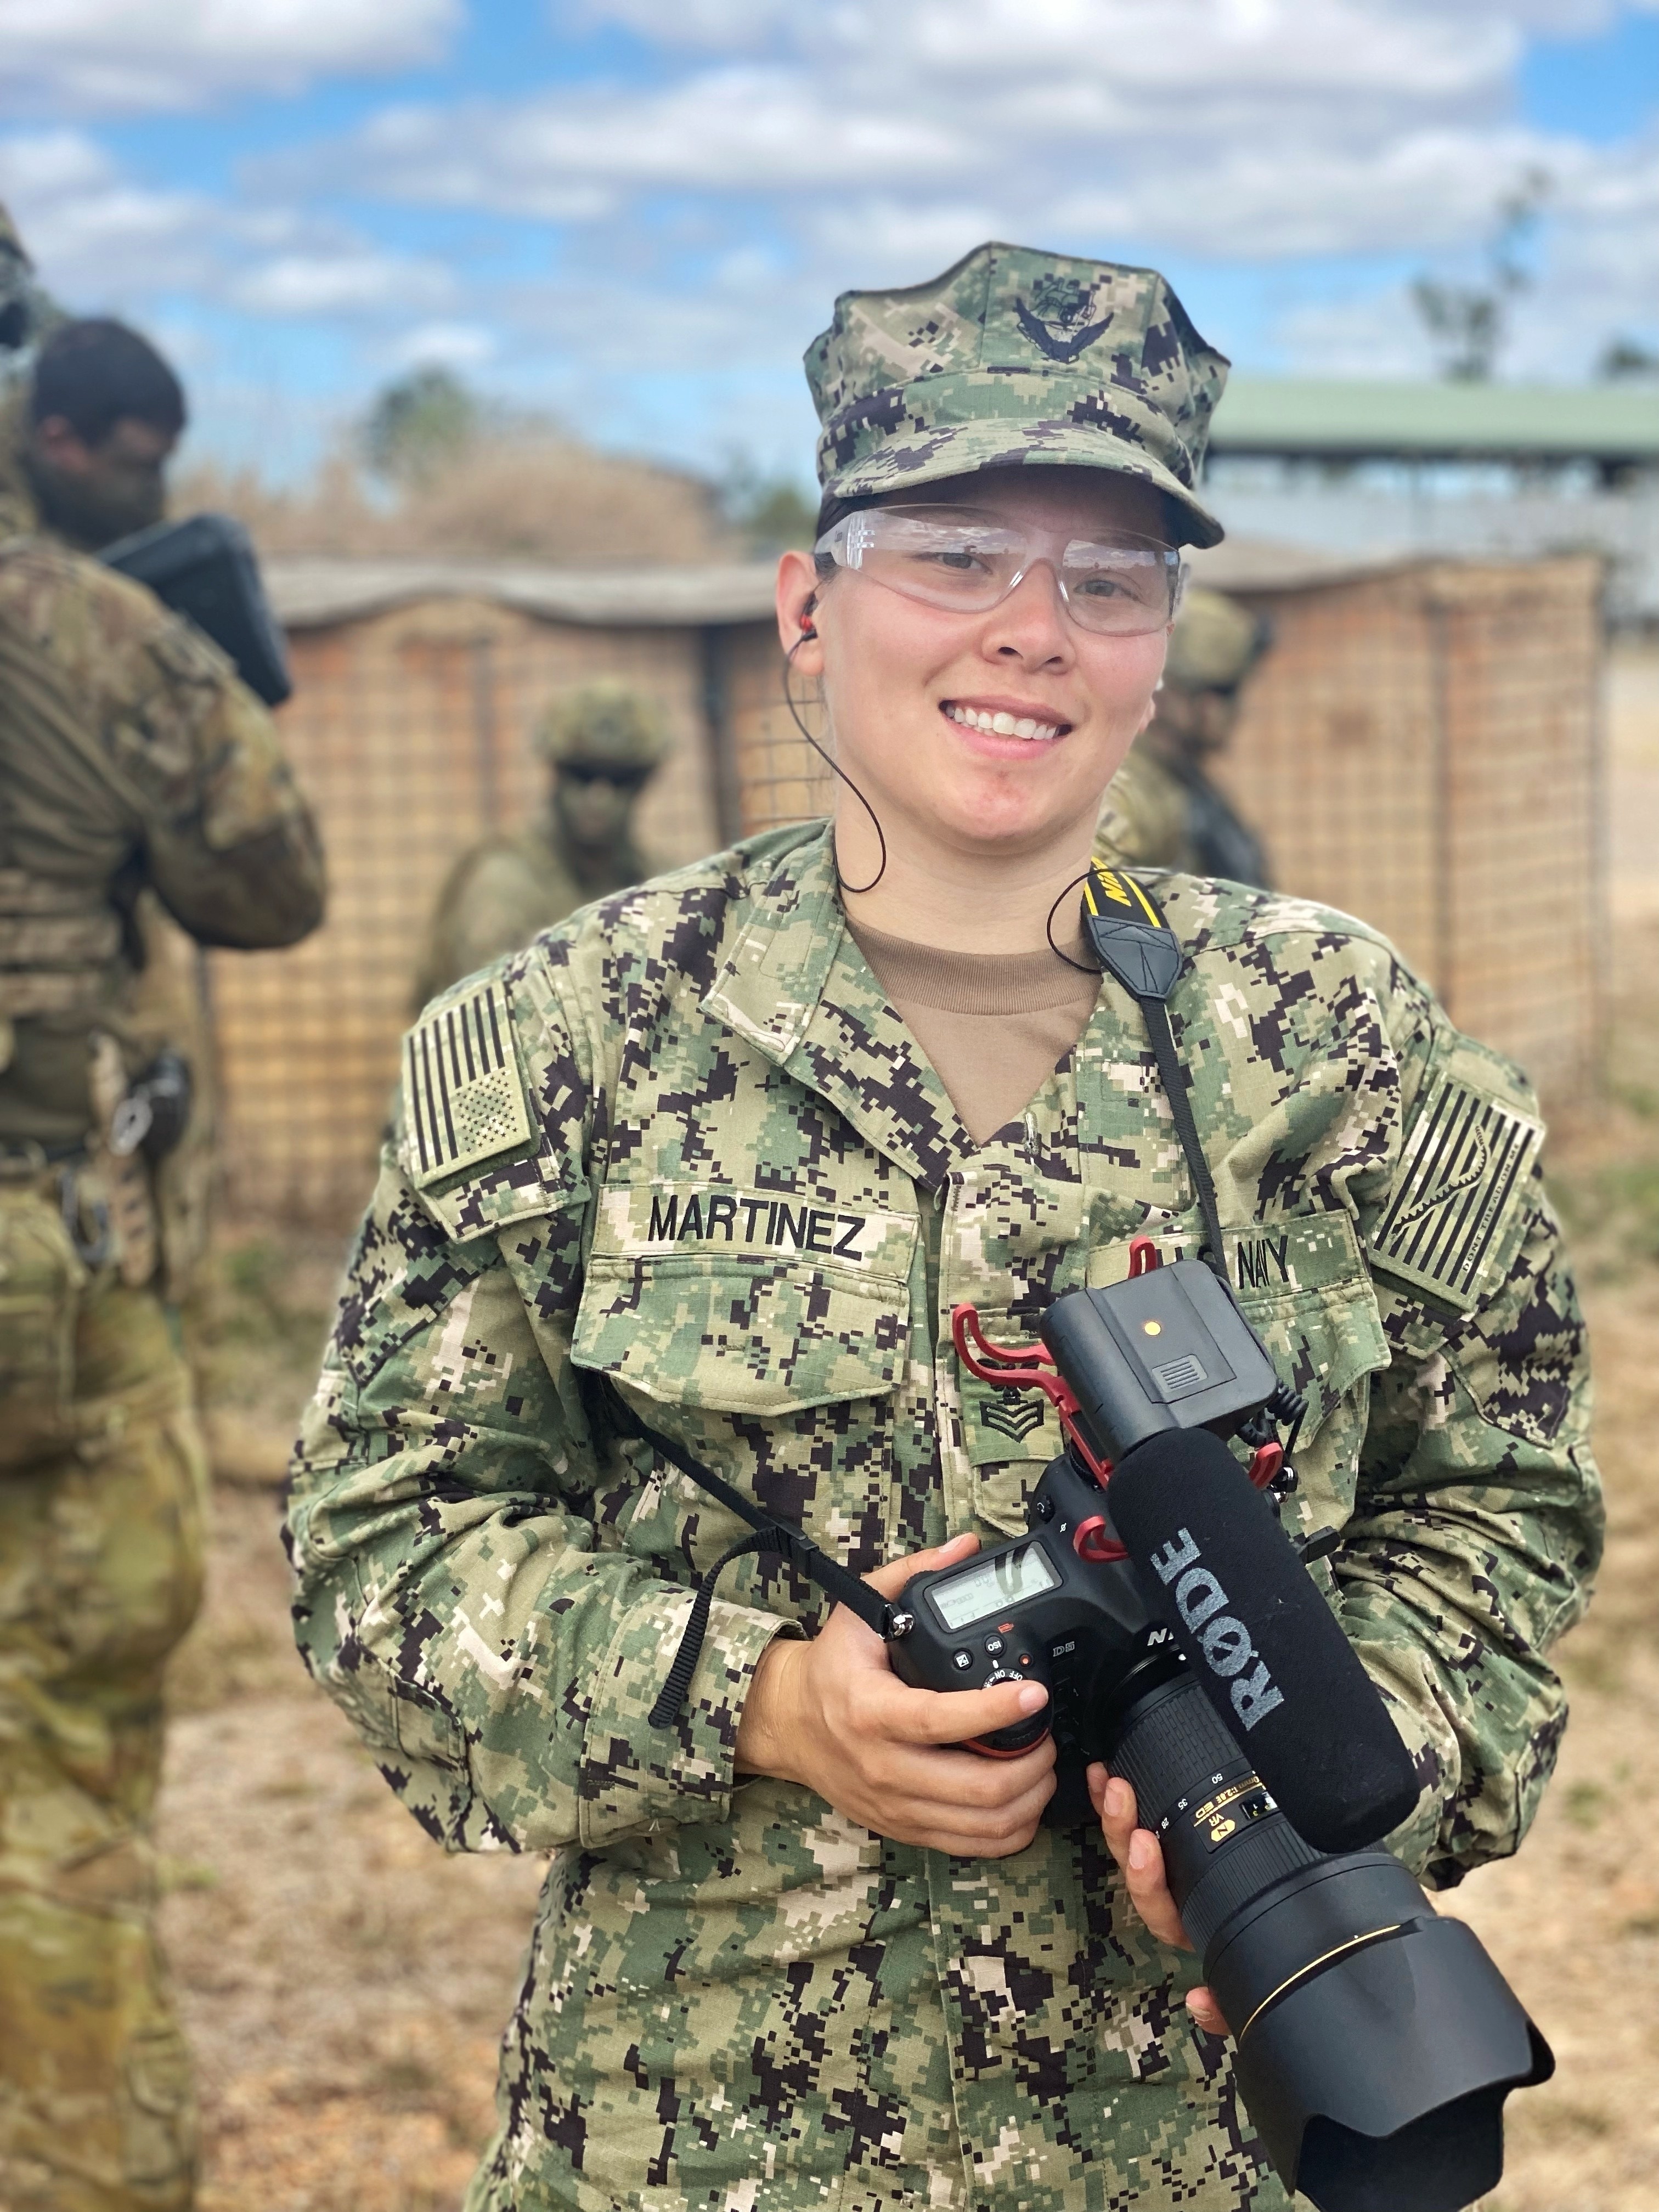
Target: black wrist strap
x=1134 y=943
x=780 y=1538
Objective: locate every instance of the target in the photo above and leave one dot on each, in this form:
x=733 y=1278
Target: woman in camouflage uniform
x=720 y=1155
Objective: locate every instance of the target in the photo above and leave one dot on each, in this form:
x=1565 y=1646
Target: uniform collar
x=795 y=986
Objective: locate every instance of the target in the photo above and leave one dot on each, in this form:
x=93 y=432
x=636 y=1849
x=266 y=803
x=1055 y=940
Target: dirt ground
x=345 y=1983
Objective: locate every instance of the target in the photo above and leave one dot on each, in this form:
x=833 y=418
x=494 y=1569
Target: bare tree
x=1470 y=322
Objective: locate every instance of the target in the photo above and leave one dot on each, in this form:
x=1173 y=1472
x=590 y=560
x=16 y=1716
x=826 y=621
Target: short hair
x=96 y=372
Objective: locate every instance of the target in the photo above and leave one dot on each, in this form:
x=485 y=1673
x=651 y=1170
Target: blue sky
x=636 y=213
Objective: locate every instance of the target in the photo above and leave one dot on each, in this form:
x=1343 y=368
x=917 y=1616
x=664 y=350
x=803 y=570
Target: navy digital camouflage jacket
x=681 y=1150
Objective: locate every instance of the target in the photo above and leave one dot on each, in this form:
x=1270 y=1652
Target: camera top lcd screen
x=1021 y=1572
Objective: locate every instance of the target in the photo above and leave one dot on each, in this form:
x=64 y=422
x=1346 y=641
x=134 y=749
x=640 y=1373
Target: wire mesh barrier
x=410 y=733
x=1420 y=748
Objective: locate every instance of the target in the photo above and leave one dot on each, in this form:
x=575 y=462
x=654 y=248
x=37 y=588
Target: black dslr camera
x=1167 y=1350
x=1183 y=1642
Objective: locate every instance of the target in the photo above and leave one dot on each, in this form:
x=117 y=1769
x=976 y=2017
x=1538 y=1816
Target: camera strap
x=779 y=1538
x=1134 y=943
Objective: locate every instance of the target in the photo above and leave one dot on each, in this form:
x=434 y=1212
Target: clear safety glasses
x=959 y=558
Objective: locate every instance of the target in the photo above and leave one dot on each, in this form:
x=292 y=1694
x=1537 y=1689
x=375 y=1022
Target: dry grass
x=529 y=497
x=1574 y=1919
x=343 y=1982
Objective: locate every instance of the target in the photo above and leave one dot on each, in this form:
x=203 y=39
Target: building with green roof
x=1360 y=467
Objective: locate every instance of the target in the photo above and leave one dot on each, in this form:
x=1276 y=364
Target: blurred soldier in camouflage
x=1162 y=810
x=25 y=314
x=133 y=764
x=719 y=1157
x=16 y=288
x=603 y=744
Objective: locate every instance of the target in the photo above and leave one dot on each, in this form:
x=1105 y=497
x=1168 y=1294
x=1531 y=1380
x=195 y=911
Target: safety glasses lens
x=948 y=557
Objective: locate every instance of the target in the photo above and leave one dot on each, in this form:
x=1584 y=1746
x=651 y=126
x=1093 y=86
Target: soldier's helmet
x=1016 y=357
x=1215 y=643
x=604 y=726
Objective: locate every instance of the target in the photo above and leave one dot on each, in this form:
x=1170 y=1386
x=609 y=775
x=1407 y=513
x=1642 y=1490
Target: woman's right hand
x=832 y=1714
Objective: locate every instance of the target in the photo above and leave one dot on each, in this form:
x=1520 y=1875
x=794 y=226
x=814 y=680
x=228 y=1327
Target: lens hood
x=1373 y=2062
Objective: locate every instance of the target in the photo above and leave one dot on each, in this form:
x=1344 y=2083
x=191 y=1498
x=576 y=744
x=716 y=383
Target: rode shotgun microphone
x=1214 y=1561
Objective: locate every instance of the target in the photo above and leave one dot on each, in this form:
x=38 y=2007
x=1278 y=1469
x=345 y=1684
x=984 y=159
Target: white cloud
x=345 y=281
x=1258 y=128
x=446 y=345
x=871 y=144
x=91 y=230
x=571 y=155
x=1419 y=191
x=721 y=23
x=100 y=240
x=1414 y=31
x=107 y=56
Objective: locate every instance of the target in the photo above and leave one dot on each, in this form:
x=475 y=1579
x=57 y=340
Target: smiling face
x=988 y=736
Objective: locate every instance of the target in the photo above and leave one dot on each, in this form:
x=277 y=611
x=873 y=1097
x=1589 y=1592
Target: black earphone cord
x=852 y=890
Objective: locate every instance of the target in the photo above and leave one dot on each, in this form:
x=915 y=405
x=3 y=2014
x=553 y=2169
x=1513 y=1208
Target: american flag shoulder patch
x=465 y=1101
x=1464 y=1161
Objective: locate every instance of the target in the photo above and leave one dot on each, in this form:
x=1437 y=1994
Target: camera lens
x=1375 y=2042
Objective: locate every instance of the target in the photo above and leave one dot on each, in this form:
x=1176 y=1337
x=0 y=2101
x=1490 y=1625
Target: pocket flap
x=1304 y=1288
x=808 y=1305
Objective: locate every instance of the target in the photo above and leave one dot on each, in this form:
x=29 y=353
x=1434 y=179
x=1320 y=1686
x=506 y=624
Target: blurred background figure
x=25 y=314
x=602 y=744
x=139 y=779
x=1161 y=809
x=14 y=286
x=104 y=413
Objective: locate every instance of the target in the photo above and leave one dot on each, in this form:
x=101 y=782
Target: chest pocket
x=1304 y=1288
x=733 y=1337
x=778 y=1365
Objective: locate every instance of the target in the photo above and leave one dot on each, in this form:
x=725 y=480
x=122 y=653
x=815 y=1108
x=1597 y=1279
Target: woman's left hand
x=1141 y=1861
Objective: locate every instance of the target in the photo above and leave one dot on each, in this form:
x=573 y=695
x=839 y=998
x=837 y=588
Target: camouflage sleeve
x=1143 y=816
x=233 y=848
x=192 y=757
x=1477 y=1523
x=457 y=1526
x=492 y=903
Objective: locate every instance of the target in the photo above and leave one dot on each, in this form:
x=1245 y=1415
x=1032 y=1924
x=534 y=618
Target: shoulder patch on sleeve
x=1465 y=1160
x=465 y=1098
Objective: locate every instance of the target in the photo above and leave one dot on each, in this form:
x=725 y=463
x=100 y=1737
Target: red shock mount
x=1034 y=1369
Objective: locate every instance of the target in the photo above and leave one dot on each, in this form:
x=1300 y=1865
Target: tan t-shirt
x=993 y=1024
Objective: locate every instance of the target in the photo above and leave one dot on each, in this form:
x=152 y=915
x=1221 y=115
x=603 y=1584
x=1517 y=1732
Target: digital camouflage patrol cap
x=1016 y=356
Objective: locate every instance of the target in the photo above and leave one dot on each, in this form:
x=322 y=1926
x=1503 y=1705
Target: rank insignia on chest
x=1465 y=1161
x=465 y=1102
x=1002 y=1426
